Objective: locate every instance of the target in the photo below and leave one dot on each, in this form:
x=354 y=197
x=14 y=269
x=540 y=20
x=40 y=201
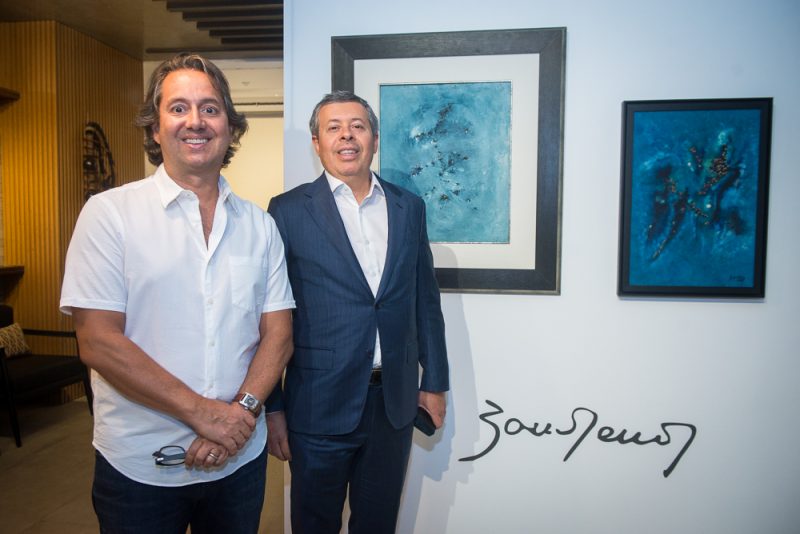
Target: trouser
x=370 y=462
x=231 y=505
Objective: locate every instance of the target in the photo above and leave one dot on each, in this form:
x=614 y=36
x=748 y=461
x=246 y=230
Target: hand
x=278 y=436
x=205 y=453
x=229 y=425
x=435 y=403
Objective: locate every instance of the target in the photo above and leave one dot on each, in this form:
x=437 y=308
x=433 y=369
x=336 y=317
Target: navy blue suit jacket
x=335 y=322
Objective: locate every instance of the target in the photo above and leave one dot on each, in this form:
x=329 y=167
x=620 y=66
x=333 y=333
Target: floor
x=45 y=485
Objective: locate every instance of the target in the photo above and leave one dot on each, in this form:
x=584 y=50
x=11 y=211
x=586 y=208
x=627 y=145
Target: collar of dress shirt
x=335 y=183
x=168 y=189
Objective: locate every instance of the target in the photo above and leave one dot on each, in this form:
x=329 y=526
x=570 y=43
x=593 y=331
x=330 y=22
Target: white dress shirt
x=194 y=308
x=367 y=227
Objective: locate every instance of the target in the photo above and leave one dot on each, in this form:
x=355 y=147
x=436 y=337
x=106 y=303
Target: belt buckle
x=375 y=378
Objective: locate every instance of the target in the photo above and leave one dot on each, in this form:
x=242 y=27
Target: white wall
x=256 y=171
x=729 y=367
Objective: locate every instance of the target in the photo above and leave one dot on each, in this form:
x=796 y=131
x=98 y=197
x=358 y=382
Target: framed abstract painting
x=694 y=195
x=472 y=122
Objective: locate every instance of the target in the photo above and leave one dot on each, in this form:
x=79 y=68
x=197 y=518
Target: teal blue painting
x=695 y=177
x=450 y=143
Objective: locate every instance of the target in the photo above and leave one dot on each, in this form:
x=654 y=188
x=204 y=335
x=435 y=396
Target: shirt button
x=212 y=343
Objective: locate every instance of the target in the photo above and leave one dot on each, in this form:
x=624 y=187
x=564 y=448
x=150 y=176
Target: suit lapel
x=398 y=214
x=322 y=208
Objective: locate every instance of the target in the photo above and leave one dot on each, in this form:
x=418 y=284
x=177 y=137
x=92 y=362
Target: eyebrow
x=178 y=99
x=353 y=119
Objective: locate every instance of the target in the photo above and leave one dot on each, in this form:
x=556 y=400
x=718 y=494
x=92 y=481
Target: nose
x=346 y=133
x=194 y=119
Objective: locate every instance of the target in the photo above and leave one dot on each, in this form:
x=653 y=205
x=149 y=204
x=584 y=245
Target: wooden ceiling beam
x=258 y=14
x=200 y=5
x=236 y=24
x=270 y=44
x=248 y=32
x=264 y=50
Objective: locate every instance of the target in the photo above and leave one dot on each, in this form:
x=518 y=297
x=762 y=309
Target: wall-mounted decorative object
x=473 y=123
x=98 y=163
x=695 y=176
x=8 y=95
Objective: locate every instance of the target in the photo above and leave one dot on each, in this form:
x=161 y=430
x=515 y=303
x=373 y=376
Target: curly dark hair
x=148 y=112
x=339 y=97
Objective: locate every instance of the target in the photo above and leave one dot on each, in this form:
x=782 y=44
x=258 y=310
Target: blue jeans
x=232 y=504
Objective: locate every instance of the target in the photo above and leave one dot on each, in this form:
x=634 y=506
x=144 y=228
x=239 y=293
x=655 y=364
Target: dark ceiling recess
x=238 y=25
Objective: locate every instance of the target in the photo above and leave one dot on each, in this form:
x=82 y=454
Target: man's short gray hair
x=339 y=97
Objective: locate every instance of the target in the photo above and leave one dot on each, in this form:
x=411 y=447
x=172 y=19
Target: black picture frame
x=549 y=45
x=694 y=197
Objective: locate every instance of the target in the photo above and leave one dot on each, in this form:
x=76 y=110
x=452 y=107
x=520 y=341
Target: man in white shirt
x=182 y=307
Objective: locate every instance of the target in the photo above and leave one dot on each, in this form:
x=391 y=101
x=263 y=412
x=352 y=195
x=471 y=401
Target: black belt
x=375 y=379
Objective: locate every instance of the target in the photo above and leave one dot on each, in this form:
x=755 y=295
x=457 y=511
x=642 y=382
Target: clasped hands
x=222 y=430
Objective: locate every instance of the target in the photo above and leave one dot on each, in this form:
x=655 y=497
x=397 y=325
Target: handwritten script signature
x=582 y=430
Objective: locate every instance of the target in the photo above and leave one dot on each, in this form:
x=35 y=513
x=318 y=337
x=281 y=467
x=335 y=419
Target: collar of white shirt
x=335 y=184
x=169 y=190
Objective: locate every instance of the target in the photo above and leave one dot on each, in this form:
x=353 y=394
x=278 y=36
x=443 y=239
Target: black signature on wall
x=605 y=434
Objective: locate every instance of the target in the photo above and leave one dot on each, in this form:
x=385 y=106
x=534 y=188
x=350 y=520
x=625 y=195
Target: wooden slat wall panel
x=72 y=392
x=106 y=90
x=28 y=141
x=64 y=79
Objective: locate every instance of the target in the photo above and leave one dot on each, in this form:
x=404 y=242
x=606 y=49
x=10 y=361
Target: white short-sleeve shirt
x=194 y=308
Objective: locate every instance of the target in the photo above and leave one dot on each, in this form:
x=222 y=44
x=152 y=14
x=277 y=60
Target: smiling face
x=193 y=128
x=345 y=143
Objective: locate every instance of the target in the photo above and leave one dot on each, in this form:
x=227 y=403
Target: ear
x=315 y=142
x=156 y=135
x=375 y=149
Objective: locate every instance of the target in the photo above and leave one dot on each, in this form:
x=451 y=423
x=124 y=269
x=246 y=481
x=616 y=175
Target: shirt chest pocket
x=248 y=283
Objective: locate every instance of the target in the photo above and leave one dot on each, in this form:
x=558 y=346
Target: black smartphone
x=423 y=422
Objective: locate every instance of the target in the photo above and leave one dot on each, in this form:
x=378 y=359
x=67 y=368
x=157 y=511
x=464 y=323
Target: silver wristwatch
x=249 y=403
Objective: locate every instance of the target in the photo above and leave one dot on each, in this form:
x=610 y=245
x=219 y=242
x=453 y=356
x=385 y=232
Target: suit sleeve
x=274 y=402
x=430 y=322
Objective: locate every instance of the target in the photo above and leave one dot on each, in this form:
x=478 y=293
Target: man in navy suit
x=368 y=317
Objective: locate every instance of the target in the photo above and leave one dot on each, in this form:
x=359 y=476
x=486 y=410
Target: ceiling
x=156 y=29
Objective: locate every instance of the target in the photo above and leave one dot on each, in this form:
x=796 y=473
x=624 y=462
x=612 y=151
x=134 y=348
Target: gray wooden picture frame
x=549 y=43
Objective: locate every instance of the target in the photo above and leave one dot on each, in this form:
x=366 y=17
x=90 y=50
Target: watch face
x=250 y=403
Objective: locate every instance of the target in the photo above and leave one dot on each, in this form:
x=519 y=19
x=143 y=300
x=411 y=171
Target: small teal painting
x=450 y=143
x=694 y=198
